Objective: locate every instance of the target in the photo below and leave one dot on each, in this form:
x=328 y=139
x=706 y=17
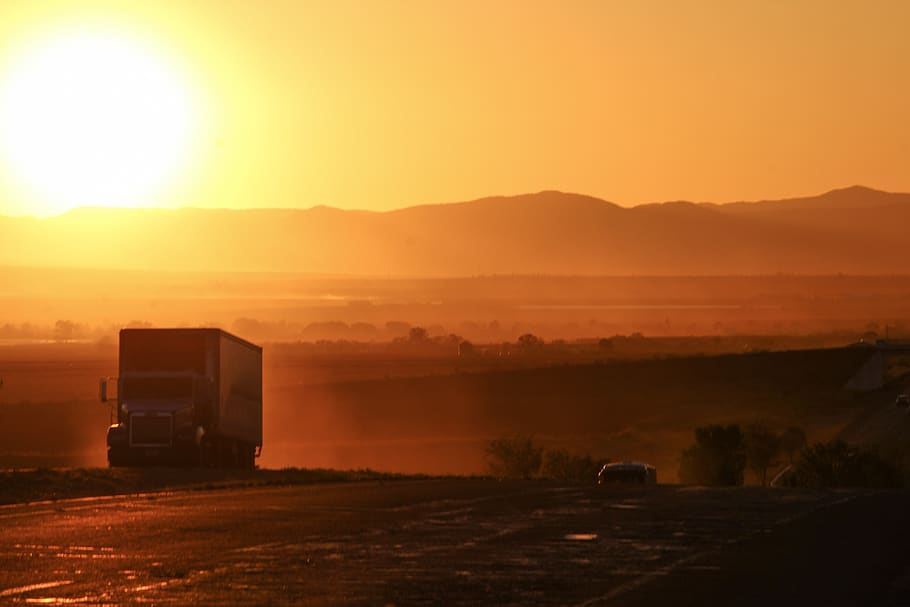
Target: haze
x=459 y=302
x=385 y=105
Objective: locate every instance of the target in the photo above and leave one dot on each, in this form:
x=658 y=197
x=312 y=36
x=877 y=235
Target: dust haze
x=418 y=375
x=415 y=348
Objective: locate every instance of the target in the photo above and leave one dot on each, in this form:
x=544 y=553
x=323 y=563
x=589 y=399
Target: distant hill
x=854 y=230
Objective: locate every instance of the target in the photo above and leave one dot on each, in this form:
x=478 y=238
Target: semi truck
x=185 y=397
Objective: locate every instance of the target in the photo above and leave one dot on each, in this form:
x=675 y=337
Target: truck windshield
x=157 y=387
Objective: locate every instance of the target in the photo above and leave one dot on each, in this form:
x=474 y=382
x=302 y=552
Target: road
x=459 y=542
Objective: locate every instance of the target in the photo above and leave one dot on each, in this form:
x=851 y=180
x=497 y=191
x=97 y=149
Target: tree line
x=721 y=454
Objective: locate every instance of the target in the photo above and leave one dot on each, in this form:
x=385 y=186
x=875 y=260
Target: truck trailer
x=186 y=397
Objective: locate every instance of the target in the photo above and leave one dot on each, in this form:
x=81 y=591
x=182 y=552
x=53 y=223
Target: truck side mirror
x=102 y=390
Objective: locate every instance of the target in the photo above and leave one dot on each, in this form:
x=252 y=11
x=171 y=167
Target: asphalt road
x=459 y=542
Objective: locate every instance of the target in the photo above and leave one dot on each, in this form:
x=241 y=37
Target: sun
x=92 y=117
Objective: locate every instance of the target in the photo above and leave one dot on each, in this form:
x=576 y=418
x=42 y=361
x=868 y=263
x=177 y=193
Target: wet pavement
x=452 y=542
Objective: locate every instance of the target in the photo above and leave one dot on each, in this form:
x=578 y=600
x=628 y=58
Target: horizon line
x=449 y=203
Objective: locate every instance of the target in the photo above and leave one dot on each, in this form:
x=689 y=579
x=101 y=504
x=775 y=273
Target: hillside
x=855 y=230
x=854 y=213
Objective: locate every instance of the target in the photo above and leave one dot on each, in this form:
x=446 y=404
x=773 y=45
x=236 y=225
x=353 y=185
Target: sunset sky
x=383 y=104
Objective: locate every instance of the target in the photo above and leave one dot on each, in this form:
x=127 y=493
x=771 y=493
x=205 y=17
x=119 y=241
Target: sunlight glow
x=90 y=117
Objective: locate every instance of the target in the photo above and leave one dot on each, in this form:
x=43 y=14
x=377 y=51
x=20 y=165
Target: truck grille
x=150 y=430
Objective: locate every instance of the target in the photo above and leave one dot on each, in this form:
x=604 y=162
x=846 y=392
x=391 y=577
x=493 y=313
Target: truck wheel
x=206 y=454
x=116 y=458
x=234 y=454
x=248 y=457
x=225 y=453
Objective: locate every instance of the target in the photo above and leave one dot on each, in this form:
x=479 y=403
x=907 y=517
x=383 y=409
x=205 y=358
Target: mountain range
x=855 y=230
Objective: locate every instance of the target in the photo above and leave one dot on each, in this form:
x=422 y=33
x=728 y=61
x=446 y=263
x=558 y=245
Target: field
x=90 y=305
x=435 y=415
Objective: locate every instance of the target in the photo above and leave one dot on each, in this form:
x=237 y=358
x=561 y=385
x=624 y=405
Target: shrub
x=560 y=465
x=762 y=447
x=792 y=441
x=837 y=464
x=514 y=457
x=718 y=457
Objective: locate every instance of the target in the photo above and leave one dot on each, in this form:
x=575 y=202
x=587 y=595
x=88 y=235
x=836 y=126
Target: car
x=902 y=400
x=627 y=473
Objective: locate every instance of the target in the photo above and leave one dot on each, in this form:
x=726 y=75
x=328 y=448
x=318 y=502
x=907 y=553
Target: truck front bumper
x=183 y=452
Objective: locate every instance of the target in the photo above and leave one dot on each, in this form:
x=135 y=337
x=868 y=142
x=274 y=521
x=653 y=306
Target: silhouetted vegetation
x=530 y=342
x=718 y=457
x=418 y=335
x=792 y=441
x=721 y=453
x=762 y=447
x=837 y=464
x=518 y=457
x=561 y=465
x=514 y=457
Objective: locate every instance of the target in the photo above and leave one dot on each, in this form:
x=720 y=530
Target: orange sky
x=384 y=104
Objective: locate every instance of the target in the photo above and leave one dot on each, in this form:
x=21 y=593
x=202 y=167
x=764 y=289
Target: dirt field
x=425 y=419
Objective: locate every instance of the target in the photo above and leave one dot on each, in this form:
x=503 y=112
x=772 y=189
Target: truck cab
x=159 y=418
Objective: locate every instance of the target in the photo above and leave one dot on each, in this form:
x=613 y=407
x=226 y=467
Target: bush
x=717 y=458
x=792 y=441
x=837 y=464
x=560 y=465
x=762 y=447
x=514 y=457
